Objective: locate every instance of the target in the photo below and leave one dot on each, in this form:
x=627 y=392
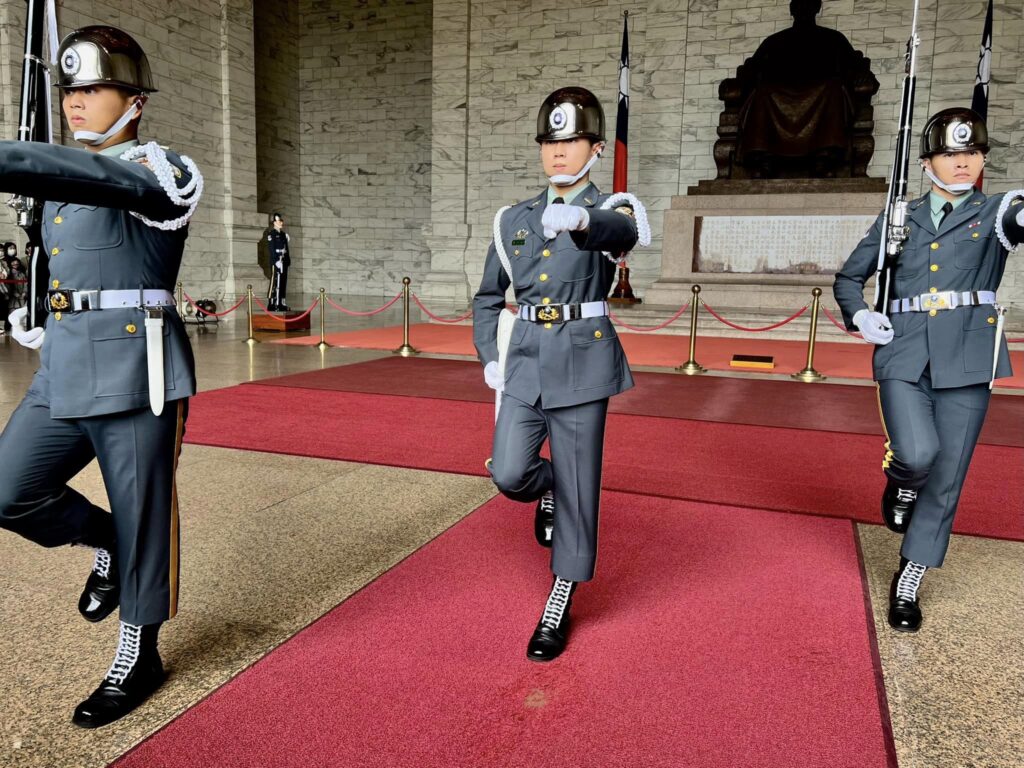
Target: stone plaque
x=787 y=245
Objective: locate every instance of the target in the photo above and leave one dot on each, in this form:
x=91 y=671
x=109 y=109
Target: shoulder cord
x=643 y=227
x=187 y=195
x=499 y=246
x=1008 y=198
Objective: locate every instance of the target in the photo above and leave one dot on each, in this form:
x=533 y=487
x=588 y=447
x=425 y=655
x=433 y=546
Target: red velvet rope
x=432 y=316
x=779 y=324
x=362 y=314
x=13 y=282
x=638 y=329
x=839 y=325
x=207 y=312
x=282 y=318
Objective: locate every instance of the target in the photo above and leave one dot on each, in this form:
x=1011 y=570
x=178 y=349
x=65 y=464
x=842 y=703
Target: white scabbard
x=506 y=322
x=999 y=338
x=155 y=358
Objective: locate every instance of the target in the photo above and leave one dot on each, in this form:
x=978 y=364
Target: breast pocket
x=971 y=247
x=523 y=268
x=91 y=228
x=596 y=354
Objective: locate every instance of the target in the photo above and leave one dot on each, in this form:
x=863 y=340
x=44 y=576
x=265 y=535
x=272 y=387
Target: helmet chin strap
x=954 y=189
x=94 y=139
x=564 y=180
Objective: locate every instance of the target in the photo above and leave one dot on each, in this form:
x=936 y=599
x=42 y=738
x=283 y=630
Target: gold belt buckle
x=58 y=301
x=549 y=314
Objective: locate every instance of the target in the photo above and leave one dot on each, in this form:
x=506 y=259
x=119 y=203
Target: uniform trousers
x=576 y=437
x=138 y=455
x=931 y=437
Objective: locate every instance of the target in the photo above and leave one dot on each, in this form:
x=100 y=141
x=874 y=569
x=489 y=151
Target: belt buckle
x=59 y=300
x=550 y=314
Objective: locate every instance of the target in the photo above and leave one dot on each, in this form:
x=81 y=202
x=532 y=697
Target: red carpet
x=832 y=358
x=761 y=402
x=814 y=472
x=694 y=647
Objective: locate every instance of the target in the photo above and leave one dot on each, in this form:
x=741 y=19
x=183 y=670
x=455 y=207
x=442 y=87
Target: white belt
x=942 y=300
x=81 y=301
x=561 y=313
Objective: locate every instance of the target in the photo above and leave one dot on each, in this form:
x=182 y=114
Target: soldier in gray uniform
x=113 y=350
x=939 y=346
x=563 y=359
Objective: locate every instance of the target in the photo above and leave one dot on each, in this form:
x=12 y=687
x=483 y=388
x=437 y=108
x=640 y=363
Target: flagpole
x=623 y=292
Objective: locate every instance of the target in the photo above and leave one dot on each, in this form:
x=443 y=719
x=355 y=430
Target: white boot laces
x=101 y=565
x=902 y=494
x=547 y=503
x=910 y=581
x=558 y=601
x=128 y=647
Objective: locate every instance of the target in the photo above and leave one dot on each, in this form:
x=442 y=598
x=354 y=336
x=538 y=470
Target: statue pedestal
x=757 y=256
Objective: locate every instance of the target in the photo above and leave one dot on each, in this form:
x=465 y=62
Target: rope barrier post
x=406 y=350
x=323 y=311
x=181 y=300
x=248 y=305
x=808 y=374
x=691 y=367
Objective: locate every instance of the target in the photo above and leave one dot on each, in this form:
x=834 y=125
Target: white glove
x=1020 y=217
x=559 y=217
x=874 y=327
x=493 y=376
x=33 y=337
x=280 y=266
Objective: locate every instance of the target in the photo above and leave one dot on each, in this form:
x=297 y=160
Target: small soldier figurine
x=939 y=346
x=558 y=250
x=280 y=260
x=113 y=350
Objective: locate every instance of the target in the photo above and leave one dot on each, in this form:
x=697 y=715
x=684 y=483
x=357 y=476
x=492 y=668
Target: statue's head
x=804 y=10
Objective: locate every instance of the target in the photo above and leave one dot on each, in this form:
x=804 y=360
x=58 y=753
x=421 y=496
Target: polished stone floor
x=272 y=542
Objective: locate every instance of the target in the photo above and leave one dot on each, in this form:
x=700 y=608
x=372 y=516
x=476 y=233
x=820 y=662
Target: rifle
x=34 y=125
x=894 y=221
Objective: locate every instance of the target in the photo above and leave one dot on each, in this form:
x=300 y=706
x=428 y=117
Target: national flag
x=620 y=176
x=979 y=103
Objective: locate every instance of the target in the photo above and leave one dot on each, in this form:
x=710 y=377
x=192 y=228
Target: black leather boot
x=102 y=592
x=135 y=674
x=544 y=520
x=898 y=507
x=904 y=611
x=552 y=632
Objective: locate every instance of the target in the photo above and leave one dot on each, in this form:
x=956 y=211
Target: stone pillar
x=448 y=233
x=243 y=224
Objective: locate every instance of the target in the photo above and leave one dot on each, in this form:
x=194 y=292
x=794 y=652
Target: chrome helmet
x=570 y=113
x=954 y=130
x=101 y=55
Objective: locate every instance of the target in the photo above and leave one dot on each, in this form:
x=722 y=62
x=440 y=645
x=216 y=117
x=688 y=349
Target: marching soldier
x=558 y=250
x=112 y=352
x=939 y=346
x=280 y=259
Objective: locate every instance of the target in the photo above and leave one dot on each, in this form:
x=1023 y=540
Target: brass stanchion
x=691 y=367
x=808 y=374
x=181 y=301
x=323 y=311
x=248 y=305
x=406 y=350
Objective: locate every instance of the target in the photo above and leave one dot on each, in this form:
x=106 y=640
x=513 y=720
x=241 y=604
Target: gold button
x=547 y=326
x=58 y=220
x=992 y=321
x=545 y=252
x=56 y=283
x=934 y=312
x=56 y=315
x=935 y=246
x=516 y=252
x=933 y=290
x=545 y=300
x=935 y=267
x=975 y=235
x=597 y=334
x=543 y=277
x=55 y=251
x=131 y=328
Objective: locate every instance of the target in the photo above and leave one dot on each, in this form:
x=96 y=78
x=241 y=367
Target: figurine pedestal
x=264 y=322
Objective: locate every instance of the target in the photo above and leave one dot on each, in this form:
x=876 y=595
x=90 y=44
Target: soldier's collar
x=119 y=149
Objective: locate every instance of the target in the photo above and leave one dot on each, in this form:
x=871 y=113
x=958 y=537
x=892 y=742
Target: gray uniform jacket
x=568 y=363
x=963 y=255
x=94 y=363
